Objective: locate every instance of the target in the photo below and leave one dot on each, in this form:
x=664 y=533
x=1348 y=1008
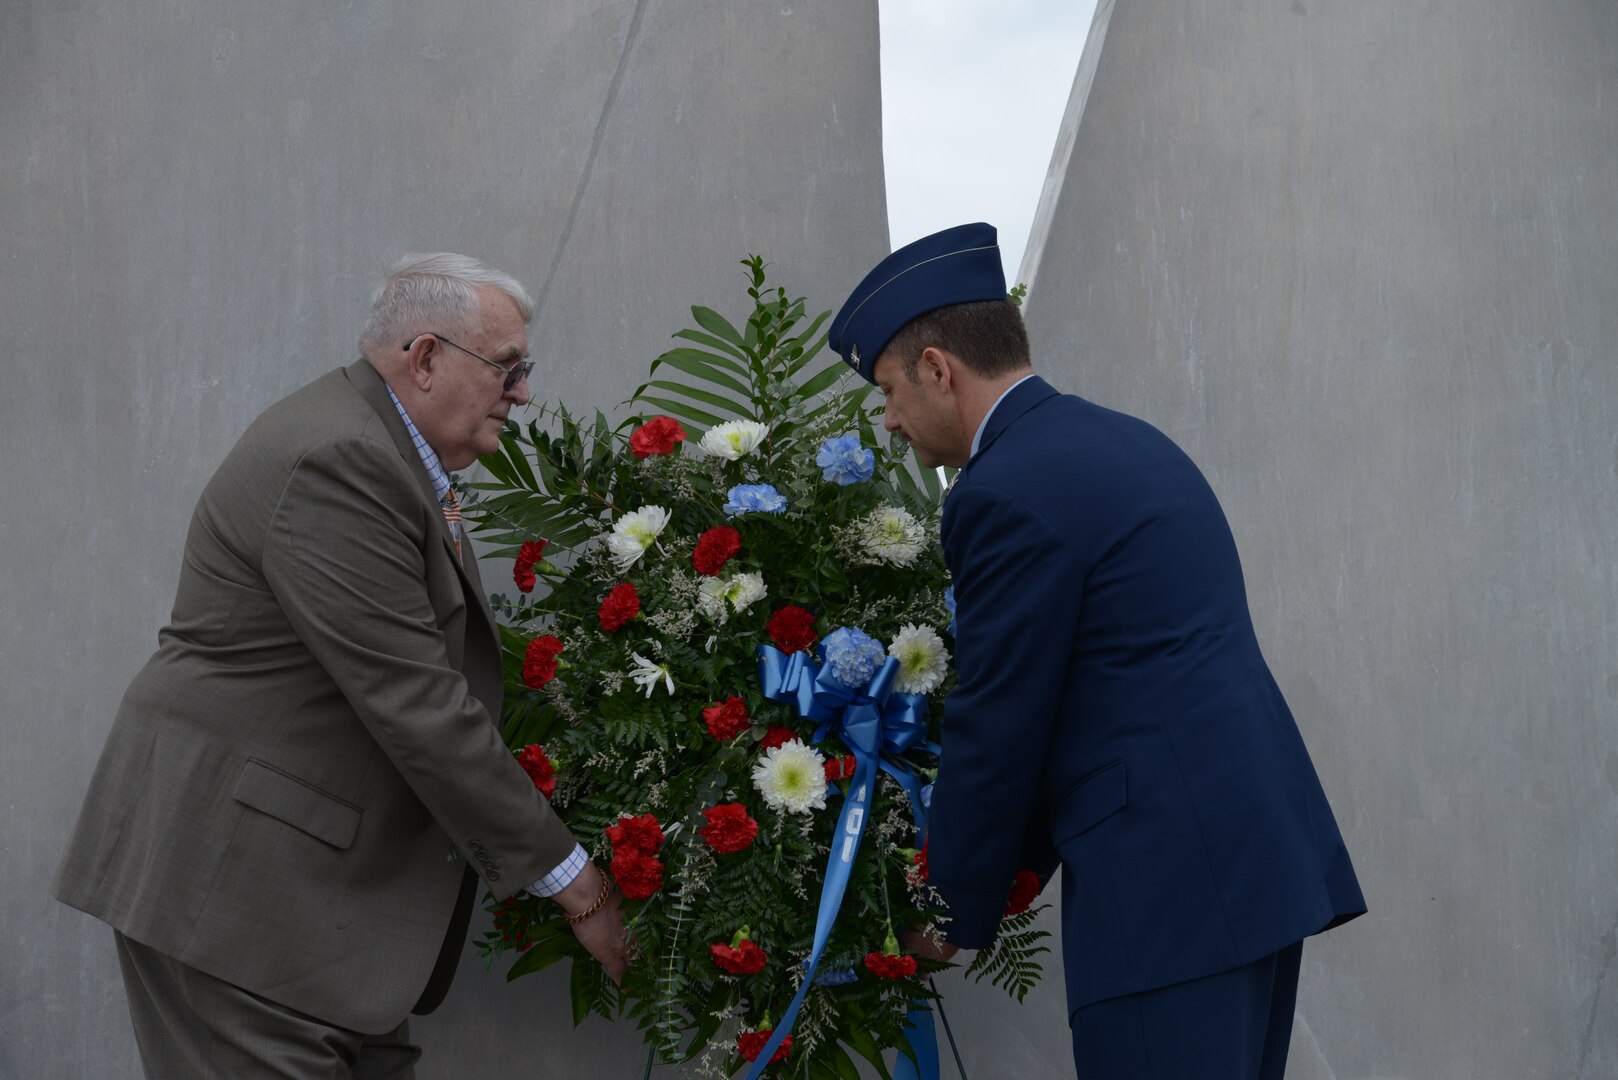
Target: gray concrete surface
x=195 y=202
x=1359 y=260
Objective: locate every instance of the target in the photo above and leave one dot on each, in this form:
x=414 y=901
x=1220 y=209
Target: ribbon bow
x=869 y=719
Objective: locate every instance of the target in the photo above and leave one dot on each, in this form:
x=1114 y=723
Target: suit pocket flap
x=1091 y=801
x=303 y=806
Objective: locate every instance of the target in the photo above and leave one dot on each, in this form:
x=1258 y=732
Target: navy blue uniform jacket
x=1114 y=712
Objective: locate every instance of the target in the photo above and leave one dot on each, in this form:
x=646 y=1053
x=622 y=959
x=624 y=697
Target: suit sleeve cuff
x=974 y=917
x=563 y=874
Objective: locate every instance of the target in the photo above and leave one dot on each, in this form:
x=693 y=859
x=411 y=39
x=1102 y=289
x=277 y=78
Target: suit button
x=494 y=875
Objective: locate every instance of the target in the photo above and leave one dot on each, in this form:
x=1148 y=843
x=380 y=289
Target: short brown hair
x=988 y=336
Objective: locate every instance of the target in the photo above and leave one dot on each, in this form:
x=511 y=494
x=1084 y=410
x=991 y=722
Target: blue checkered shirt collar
x=429 y=457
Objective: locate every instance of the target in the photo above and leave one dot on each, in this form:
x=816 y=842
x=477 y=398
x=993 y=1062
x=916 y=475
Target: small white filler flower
x=792 y=777
x=647 y=674
x=923 y=660
x=734 y=438
x=633 y=533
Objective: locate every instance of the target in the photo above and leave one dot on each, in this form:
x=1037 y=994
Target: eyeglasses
x=515 y=373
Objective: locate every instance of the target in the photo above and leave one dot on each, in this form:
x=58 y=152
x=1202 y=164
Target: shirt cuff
x=563 y=874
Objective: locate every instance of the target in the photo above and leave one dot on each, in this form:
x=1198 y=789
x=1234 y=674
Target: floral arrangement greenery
x=749 y=504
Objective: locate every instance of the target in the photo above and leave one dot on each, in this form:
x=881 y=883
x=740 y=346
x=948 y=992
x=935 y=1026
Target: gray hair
x=434 y=292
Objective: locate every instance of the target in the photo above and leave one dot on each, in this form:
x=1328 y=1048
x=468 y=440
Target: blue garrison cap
x=955 y=266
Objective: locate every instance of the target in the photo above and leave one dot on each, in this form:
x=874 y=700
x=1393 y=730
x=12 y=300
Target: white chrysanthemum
x=718 y=597
x=892 y=535
x=923 y=660
x=633 y=533
x=648 y=674
x=792 y=777
x=733 y=438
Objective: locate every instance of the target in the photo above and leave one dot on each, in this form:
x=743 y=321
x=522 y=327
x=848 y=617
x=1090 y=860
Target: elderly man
x=305 y=782
x=1113 y=713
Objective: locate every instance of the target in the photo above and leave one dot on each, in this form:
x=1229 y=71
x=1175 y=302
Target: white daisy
x=792 y=777
x=923 y=660
x=648 y=674
x=892 y=535
x=718 y=597
x=633 y=533
x=733 y=438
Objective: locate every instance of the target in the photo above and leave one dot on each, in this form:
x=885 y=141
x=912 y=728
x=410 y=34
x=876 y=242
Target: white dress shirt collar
x=978 y=438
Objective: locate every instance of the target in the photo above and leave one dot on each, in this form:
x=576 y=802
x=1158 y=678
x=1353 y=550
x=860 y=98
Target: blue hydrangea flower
x=843 y=459
x=949 y=603
x=852 y=656
x=754 y=499
x=843 y=977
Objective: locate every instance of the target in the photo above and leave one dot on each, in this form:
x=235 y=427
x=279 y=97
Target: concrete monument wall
x=1359 y=259
x=196 y=200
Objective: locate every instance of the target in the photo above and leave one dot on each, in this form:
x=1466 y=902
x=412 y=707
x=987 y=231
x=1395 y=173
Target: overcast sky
x=972 y=95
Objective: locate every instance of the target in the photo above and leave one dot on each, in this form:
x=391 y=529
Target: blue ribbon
x=870 y=720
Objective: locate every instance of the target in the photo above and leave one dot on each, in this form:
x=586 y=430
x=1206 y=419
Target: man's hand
x=601 y=933
x=928 y=945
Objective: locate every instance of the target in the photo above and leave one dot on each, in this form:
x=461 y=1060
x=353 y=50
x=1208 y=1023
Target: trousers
x=192 y=1026
x=1235 y=1025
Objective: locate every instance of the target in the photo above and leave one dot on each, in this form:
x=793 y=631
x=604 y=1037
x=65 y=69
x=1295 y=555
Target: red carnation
x=840 y=768
x=638 y=875
x=714 y=549
x=745 y=959
x=750 y=1044
x=888 y=966
x=539 y=664
x=538 y=767
x=658 y=435
x=621 y=605
x=522 y=572
x=1024 y=888
x=919 y=874
x=514 y=925
x=728 y=720
x=776 y=736
x=642 y=834
x=792 y=628
x=729 y=828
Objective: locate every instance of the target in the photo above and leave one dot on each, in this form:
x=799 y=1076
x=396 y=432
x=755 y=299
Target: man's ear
x=422 y=361
x=934 y=367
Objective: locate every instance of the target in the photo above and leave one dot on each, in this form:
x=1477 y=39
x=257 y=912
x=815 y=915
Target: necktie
x=452 y=517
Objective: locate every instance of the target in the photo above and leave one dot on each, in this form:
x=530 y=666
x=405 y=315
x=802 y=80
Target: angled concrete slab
x=199 y=199
x=1358 y=260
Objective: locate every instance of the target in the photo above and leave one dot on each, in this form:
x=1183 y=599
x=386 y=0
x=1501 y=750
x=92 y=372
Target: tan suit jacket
x=288 y=782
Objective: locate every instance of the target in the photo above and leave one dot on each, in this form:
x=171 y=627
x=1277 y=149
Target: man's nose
x=889 y=423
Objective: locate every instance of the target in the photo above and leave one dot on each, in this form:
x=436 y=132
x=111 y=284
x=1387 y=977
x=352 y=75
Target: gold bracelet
x=600 y=902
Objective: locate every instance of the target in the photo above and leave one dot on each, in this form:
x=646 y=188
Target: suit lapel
x=370 y=385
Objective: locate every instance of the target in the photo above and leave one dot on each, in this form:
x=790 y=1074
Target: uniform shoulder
x=1081 y=431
